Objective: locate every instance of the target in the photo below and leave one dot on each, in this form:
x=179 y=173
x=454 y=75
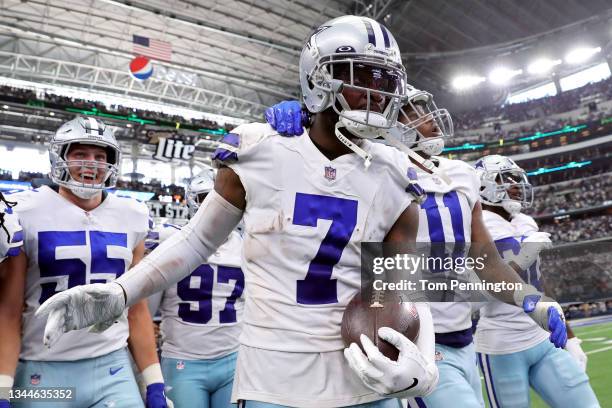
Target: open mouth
x=88 y=177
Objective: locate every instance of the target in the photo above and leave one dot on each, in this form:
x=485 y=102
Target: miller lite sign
x=169 y=149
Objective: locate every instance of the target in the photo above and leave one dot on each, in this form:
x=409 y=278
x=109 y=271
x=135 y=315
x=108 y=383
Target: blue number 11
x=317 y=287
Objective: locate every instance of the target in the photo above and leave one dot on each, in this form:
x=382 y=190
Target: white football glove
x=409 y=376
x=573 y=347
x=11 y=234
x=535 y=243
x=98 y=304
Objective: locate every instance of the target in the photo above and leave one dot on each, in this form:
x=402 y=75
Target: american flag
x=155 y=49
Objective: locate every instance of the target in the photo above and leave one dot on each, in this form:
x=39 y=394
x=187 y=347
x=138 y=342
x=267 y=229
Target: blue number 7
x=317 y=287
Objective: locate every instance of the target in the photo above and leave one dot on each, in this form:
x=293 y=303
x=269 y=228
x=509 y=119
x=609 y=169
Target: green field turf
x=597 y=343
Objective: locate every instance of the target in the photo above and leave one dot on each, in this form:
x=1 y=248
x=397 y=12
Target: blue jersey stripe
x=451 y=201
x=434 y=221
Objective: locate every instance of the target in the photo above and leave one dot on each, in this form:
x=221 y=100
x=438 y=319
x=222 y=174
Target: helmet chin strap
x=84 y=192
x=512 y=207
x=367 y=157
x=432 y=146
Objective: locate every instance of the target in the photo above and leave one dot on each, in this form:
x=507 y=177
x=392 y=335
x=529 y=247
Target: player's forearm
x=141 y=341
x=183 y=252
x=12 y=285
x=10 y=343
x=496 y=270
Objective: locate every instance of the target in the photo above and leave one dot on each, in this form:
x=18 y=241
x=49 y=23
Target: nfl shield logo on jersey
x=180 y=365
x=330 y=173
x=35 y=379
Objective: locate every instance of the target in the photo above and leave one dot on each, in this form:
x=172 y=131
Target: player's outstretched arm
x=12 y=287
x=543 y=310
x=415 y=372
x=175 y=258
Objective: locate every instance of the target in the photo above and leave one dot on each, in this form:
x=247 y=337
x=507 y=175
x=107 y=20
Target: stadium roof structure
x=236 y=57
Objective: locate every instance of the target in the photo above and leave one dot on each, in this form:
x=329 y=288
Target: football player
x=513 y=351
x=73 y=235
x=11 y=241
x=201 y=317
x=450 y=214
x=307 y=203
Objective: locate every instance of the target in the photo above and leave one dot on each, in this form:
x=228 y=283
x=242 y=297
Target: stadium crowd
x=533 y=109
x=572 y=195
x=26 y=95
x=154 y=186
x=577 y=273
x=543 y=125
x=587 y=309
x=582 y=229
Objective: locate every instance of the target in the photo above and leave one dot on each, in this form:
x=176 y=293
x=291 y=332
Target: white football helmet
x=197 y=189
x=86 y=131
x=503 y=184
x=420 y=109
x=360 y=54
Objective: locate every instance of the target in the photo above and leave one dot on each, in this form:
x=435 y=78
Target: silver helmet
x=84 y=131
x=418 y=110
x=503 y=183
x=355 y=53
x=198 y=187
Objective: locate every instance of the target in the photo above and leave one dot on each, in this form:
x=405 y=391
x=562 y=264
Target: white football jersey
x=446 y=217
x=202 y=313
x=304 y=221
x=504 y=328
x=67 y=246
x=11 y=234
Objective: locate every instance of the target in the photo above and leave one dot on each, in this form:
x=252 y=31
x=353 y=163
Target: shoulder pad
x=240 y=140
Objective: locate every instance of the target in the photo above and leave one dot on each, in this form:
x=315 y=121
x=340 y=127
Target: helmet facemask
x=416 y=115
x=93 y=176
x=381 y=81
x=382 y=87
x=508 y=189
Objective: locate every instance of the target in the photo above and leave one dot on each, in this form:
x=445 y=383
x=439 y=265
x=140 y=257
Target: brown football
x=362 y=317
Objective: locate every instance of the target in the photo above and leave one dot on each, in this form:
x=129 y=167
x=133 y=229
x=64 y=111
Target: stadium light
x=463 y=82
x=542 y=65
x=578 y=55
x=501 y=76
